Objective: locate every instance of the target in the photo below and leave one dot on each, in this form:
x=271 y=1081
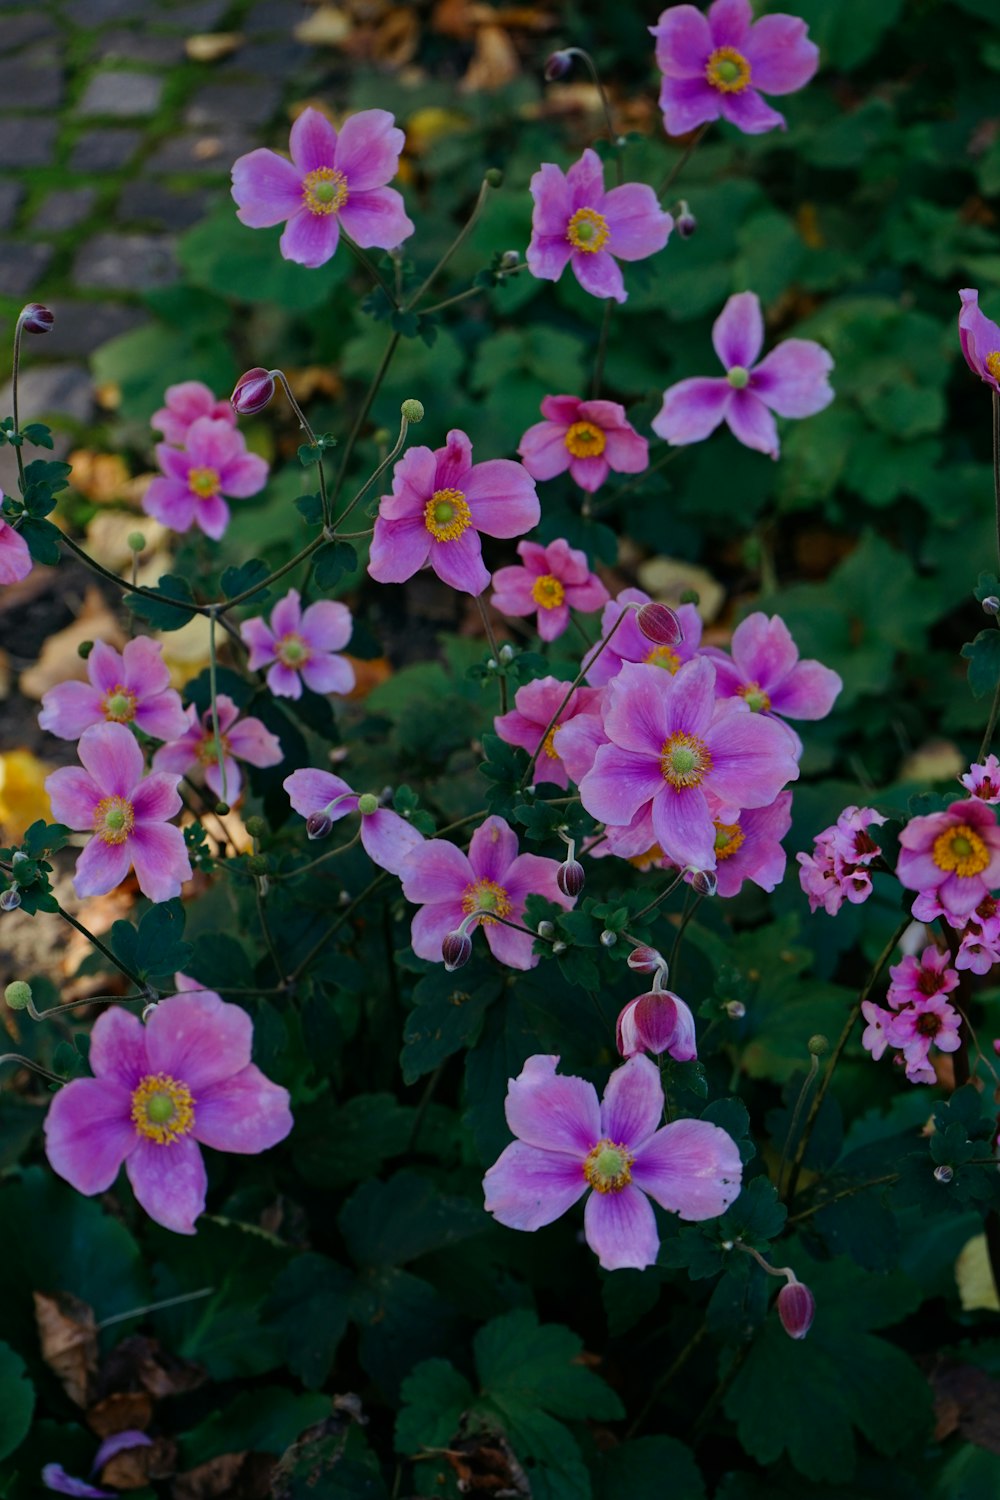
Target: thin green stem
x=333 y=929
x=362 y=415
x=494 y=652
x=320 y=860
x=657 y=899
x=690 y=907
x=459 y=239
x=591 y=67
x=151 y=1307
x=300 y=557
x=310 y=434
x=102 y=948
x=858 y=1187
x=15 y=375
x=27 y=1062
x=664 y=1380
x=589 y=509
x=504 y=274
x=682 y=161
x=793 y=1124
x=369 y=265
x=373 y=478
x=588 y=663
x=602 y=349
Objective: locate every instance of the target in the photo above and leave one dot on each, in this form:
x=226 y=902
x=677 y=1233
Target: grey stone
x=130 y=262
x=124 y=95
x=30 y=86
x=64 y=209
x=274 y=15
x=22 y=266
x=203 y=15
x=201 y=152
x=270 y=59
x=150 y=202
x=234 y=104
x=11 y=193
x=140 y=46
x=104 y=150
x=102 y=12
x=53 y=391
x=27 y=142
x=32 y=26
x=82 y=327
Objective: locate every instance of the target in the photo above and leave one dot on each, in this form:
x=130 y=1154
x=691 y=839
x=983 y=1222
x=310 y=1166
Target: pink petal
x=730 y=21
x=621 y=1230
x=226 y=788
x=160 y=857
x=74 y=796
x=398 y=549
x=246 y=1113
x=553 y=202
x=687 y=103
x=118 y=1047
x=89 y=1133
x=511 y=592
x=509 y=947
x=808 y=692
x=633 y=1103
x=313 y=141
x=162 y=717
x=502 y=498
x=586 y=179
x=156 y=798
x=763 y=649
x=599 y=274
x=752 y=757
x=310 y=791
x=453 y=462
x=368 y=148
x=389 y=840
x=377 y=218
x=792 y=379
x=267 y=189
x=683 y=42
x=749 y=113
x=543 y=450
x=431 y=925
x=284 y=682
x=619 y=784
x=259 y=637
x=750 y=421
x=589 y=473
x=637 y=713
x=438 y=871
x=244 y=475
x=198 y=1039
x=212 y=516
x=70 y=708
x=552 y=1112
x=113 y=758
x=414 y=480
x=170 y=502
x=527 y=1188
x=328 y=674
x=690 y=1167
x=692 y=409
x=310 y=239
x=492 y=850
x=169 y=1182
x=738 y=331
x=101 y=867
x=684 y=828
x=286 y=616
x=548 y=255
x=639 y=226
x=250 y=741
x=781 y=57
x=108 y=669
x=326 y=626
x=459 y=563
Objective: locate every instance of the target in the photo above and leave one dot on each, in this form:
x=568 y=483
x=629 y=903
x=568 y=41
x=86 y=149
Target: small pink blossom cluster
x=204 y=460
x=919 y=1015
x=839 y=869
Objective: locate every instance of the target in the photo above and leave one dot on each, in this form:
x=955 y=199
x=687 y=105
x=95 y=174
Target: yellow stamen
x=728 y=838
x=728 y=70
x=292 y=651
x=588 y=231
x=585 y=440
x=646 y=861
x=206 y=748
x=114 y=819
x=486 y=896
x=203 y=482
x=118 y=706
x=665 y=657
x=447 y=515
x=162 y=1108
x=547 y=591
x=755 y=697
x=685 y=760
x=608 y=1167
x=960 y=851
x=324 y=190
x=547 y=746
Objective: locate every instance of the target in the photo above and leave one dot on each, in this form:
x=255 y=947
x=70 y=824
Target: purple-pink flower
x=765 y=671
x=334 y=178
x=576 y=222
x=131 y=686
x=388 y=839
x=184 y=404
x=952 y=859
x=241 y=739
x=717 y=66
x=159 y=1093
x=300 y=645
x=672 y=745
x=492 y=881
x=791 y=380
x=914 y=979
x=919 y=1016
x=127 y=812
x=979 y=949
x=534 y=705
x=568 y=1144
x=983 y=781
x=839 y=867
x=589 y=438
x=54 y=1476
x=440 y=503
x=657 y=1022
x=15 y=559
x=749 y=847
x=979 y=338
x=213 y=463
x=549 y=583
x=629 y=644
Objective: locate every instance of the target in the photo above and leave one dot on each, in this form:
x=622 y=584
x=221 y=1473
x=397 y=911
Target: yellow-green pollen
x=486 y=896
x=738 y=377
x=652 y=856
x=162 y=1108
x=684 y=760
x=585 y=440
x=993 y=364
x=291 y=651
x=588 y=231
x=447 y=515
x=114 y=819
x=665 y=657
x=203 y=482
x=118 y=706
x=608 y=1167
x=547 y=591
x=728 y=838
x=324 y=190
x=755 y=697
x=960 y=851
x=728 y=70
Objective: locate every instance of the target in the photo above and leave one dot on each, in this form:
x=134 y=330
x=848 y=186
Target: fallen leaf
x=426 y=126
x=936 y=760
x=967 y=1401
x=314 y=380
x=185 y=651
x=122 y=1411
x=234 y=1476
x=23 y=798
x=60 y=660
x=326 y=27
x=107 y=541
x=666 y=578
x=974 y=1278
x=98 y=477
x=67 y=1332
x=141 y=1362
x=494 y=62
x=396 y=41
x=368 y=674
x=133 y=1468
x=210 y=46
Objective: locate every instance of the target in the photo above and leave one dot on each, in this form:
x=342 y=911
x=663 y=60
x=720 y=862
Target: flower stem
x=27 y=1062
x=307 y=429
x=602 y=349
x=389 y=458
x=682 y=161
x=793 y=1126
x=362 y=415
x=495 y=653
x=585 y=668
x=147 y=992
x=591 y=67
x=459 y=239
x=369 y=265
x=213 y=699
x=15 y=374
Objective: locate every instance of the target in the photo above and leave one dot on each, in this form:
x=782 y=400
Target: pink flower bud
x=796 y=1309
x=36 y=318
x=557 y=65
x=658 y=1022
x=253 y=391
x=318 y=825
x=456 y=949
x=685 y=222
x=705 y=882
x=659 y=624
x=645 y=960
x=570 y=878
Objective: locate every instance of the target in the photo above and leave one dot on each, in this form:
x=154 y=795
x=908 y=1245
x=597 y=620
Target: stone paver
x=274 y=15
x=82 y=327
x=64 y=209
x=129 y=262
x=11 y=193
x=125 y=95
x=53 y=390
x=233 y=104
x=150 y=202
x=34 y=85
x=32 y=26
x=200 y=151
x=138 y=46
x=105 y=150
x=27 y=142
x=22 y=267
x=100 y=12
x=203 y=15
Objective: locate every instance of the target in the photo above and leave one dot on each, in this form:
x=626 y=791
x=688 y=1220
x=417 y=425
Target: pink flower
x=492 y=879
x=552 y=580
x=749 y=847
x=716 y=66
x=185 y=403
x=388 y=839
x=916 y=979
x=576 y=221
x=242 y=739
x=765 y=671
x=183 y=1080
x=983 y=781
x=979 y=949
x=672 y=745
x=952 y=858
x=839 y=867
x=629 y=644
x=15 y=559
x=980 y=339
x=791 y=381
x=127 y=687
x=929 y=1019
x=534 y=705
x=568 y=1143
x=332 y=179
x=589 y=438
x=440 y=503
x=214 y=462
x=302 y=644
x=876 y=1035
x=657 y=1022
x=127 y=813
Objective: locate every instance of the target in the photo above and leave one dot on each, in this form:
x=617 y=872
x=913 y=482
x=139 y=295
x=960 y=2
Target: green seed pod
x=413 y=410
x=18 y=995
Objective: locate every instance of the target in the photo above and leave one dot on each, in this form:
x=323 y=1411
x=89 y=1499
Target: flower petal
x=459 y=563
x=313 y=141
x=267 y=189
x=692 y=409
x=750 y=421
x=599 y=274
x=398 y=548
x=245 y=1114
x=690 y=1167
x=101 y=867
x=169 y=1182
x=638 y=225
x=118 y=1047
x=633 y=1103
x=738 y=331
x=74 y=796
x=750 y=113
x=621 y=1230
x=683 y=42
x=310 y=239
x=792 y=379
x=553 y=1112
x=377 y=218
x=367 y=149
x=502 y=498
x=89 y=1133
x=781 y=56
x=113 y=758
x=687 y=103
x=161 y=861
x=198 y=1039
x=619 y=784
x=527 y=1188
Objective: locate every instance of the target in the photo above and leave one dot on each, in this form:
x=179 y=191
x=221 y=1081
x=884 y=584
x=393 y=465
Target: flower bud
x=685 y=222
x=991 y=605
x=704 y=882
x=570 y=878
x=558 y=948
x=367 y=804
x=147 y=1011
x=18 y=995
x=136 y=541
x=10 y=899
x=252 y=392
x=645 y=960
x=557 y=65
x=691 y=596
x=796 y=1309
x=456 y=950
x=84 y=649
x=735 y=1009
x=412 y=410
x=545 y=929
x=506 y=653
x=318 y=825
x=818 y=1045
x=493 y=177
x=943 y=1173
x=658 y=1022
x=608 y=938
x=256 y=827
x=18 y=858
x=221 y=808
x=509 y=259
x=36 y=318
x=659 y=624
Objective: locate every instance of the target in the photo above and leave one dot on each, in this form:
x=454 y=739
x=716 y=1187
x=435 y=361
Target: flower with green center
x=324 y=190
x=728 y=70
x=127 y=687
x=299 y=646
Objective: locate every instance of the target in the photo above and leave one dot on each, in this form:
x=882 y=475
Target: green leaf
x=225 y=257
x=39 y=434
x=267 y=1420
x=983 y=656
x=332 y=562
x=368 y=1129
x=447 y=1016
x=43 y=540
x=164 y=615
x=434 y=1396
x=524 y=1364
x=309 y=1306
x=18 y=1402
x=248 y=576
x=391 y=1223
x=329 y=1461
x=156 y=947
x=638 y=1470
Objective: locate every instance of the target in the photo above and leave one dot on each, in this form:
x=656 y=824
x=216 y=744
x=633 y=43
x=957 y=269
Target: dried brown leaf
x=234 y=1476
x=494 y=62
x=210 y=46
x=133 y=1468
x=396 y=41
x=67 y=1332
x=966 y=1400
x=122 y=1411
x=326 y=27
x=139 y=1363
x=60 y=660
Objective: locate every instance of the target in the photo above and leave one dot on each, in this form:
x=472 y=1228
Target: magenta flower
x=54 y=1476
x=491 y=881
x=765 y=671
x=749 y=847
x=185 y=403
x=302 y=645
x=979 y=949
x=15 y=559
x=717 y=66
x=914 y=979
x=127 y=687
x=388 y=839
x=983 y=781
x=980 y=339
x=589 y=438
x=440 y=503
x=568 y=1143
x=127 y=813
x=552 y=580
x=213 y=463
x=183 y=1080
x=791 y=380
x=839 y=868
x=657 y=1022
x=929 y=1020
x=952 y=859
x=534 y=705
x=333 y=178
x=672 y=745
x=629 y=644
x=242 y=739
x=576 y=221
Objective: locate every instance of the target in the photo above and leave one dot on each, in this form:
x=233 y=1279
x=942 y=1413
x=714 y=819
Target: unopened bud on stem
x=645 y=960
x=557 y=65
x=412 y=410
x=570 y=878
x=18 y=995
x=704 y=882
x=136 y=541
x=456 y=950
x=36 y=318
x=991 y=605
x=253 y=391
x=659 y=624
x=318 y=825
x=796 y=1309
x=685 y=222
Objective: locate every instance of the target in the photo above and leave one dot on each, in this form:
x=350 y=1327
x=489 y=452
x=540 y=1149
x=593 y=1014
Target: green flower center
x=738 y=377
x=608 y=1167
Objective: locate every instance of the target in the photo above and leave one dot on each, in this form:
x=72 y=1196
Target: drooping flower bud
x=645 y=960
x=456 y=949
x=36 y=318
x=253 y=391
x=735 y=1009
x=659 y=624
x=991 y=605
x=796 y=1309
x=318 y=825
x=658 y=1022
x=84 y=649
x=221 y=809
x=704 y=882
x=412 y=410
x=944 y=1173
x=685 y=222
x=509 y=259
x=608 y=938
x=557 y=65
x=18 y=995
x=545 y=929
x=493 y=177
x=10 y=899
x=570 y=878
